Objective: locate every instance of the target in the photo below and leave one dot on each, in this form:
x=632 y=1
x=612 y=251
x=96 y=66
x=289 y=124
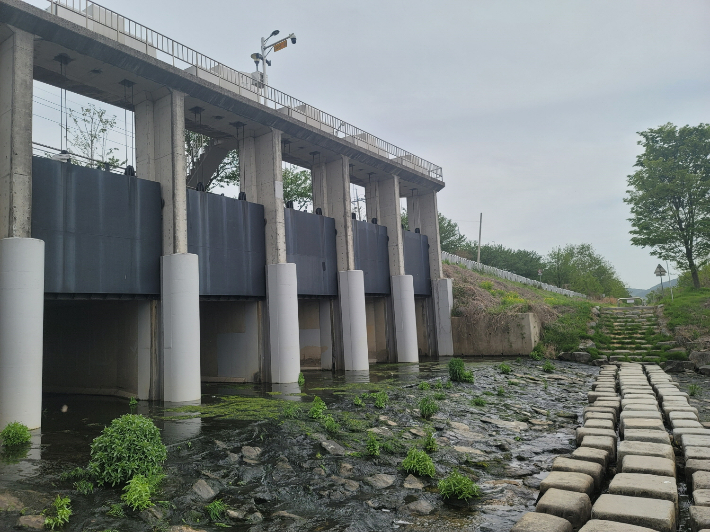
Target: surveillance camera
x=293 y=40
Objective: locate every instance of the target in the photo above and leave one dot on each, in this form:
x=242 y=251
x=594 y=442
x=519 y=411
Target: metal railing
x=86 y=11
x=473 y=265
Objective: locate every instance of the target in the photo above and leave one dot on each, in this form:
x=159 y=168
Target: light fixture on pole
x=266 y=49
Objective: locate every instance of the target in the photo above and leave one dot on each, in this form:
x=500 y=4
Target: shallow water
x=295 y=484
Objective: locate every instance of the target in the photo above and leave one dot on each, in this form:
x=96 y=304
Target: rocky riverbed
x=256 y=448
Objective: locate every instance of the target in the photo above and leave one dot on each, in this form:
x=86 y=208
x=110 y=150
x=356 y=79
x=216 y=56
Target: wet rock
x=413 y=483
x=518 y=472
x=236 y=514
x=34 y=522
x=286 y=515
x=251 y=453
x=418 y=432
x=204 y=490
x=467 y=450
x=381 y=481
x=704 y=370
x=9 y=503
x=152 y=515
x=256 y=517
x=250 y=474
x=350 y=485
x=382 y=431
x=346 y=469
x=512 y=425
x=700 y=358
x=220 y=444
x=232 y=458
x=503 y=446
x=421 y=507
x=539 y=411
x=678 y=366
x=333 y=448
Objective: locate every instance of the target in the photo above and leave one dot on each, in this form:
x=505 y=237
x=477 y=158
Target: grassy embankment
x=564 y=319
x=688 y=316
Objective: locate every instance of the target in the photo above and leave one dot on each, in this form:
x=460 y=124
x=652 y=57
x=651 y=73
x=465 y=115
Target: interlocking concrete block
x=537 y=522
x=700 y=481
x=694 y=440
x=682 y=415
x=641 y=414
x=641 y=485
x=679 y=432
x=651 y=513
x=701 y=497
x=651 y=436
x=668 y=408
x=570 y=505
x=597 y=525
x=601 y=409
x=692 y=467
x=640 y=423
x=590 y=454
x=605 y=443
x=638 y=396
x=686 y=424
x=582 y=432
x=594 y=470
x=599 y=424
x=648 y=465
x=644 y=449
x=699 y=518
x=696 y=453
x=568 y=480
x=644 y=401
x=600 y=415
x=651 y=407
x=595 y=395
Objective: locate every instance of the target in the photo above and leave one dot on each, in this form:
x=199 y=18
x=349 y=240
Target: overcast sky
x=531 y=107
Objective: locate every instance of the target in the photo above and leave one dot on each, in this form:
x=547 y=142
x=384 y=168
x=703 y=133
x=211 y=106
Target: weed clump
x=373 y=445
x=440 y=396
x=84 y=487
x=548 y=367
x=129 y=446
x=429 y=443
x=358 y=401
x=59 y=513
x=116 y=510
x=139 y=490
x=292 y=410
x=458 y=486
x=457 y=371
x=381 y=399
x=424 y=385
x=419 y=463
x=216 y=509
x=693 y=390
x=317 y=408
x=301 y=379
x=330 y=425
x=504 y=368
x=15 y=435
x=428 y=407
x=538 y=353
x=478 y=401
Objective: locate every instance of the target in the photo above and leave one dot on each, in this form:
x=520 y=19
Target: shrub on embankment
x=478 y=296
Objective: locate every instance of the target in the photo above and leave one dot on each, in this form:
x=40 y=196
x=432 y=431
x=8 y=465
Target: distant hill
x=640 y=292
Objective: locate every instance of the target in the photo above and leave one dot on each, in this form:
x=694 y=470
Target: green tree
x=669 y=195
x=227 y=172
x=582 y=269
x=297 y=187
x=452 y=241
x=90 y=134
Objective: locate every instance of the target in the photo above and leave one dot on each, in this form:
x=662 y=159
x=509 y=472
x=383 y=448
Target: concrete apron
x=643 y=495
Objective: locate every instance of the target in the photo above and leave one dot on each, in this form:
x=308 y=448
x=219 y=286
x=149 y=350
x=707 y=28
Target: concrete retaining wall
x=478 y=337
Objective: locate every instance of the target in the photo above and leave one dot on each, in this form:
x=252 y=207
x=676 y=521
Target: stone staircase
x=632 y=334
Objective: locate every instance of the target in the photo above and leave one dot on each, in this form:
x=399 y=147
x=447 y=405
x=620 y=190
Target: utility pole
x=480 y=226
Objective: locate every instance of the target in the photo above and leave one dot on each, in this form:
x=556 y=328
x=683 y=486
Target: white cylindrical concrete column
x=442 y=293
x=405 y=319
x=21 y=330
x=351 y=284
x=180 y=313
x=282 y=302
x=326 y=335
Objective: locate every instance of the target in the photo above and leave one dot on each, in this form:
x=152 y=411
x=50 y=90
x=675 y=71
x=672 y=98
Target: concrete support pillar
x=281 y=284
x=351 y=282
x=441 y=287
x=16 y=64
x=372 y=201
x=247 y=169
x=282 y=302
x=320 y=190
x=391 y=218
x=160 y=134
x=413 y=214
x=21 y=330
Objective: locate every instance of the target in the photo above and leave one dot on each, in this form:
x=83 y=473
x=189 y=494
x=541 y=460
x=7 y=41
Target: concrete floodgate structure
x=650 y=413
x=145 y=285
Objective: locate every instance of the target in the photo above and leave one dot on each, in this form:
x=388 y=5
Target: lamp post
x=266 y=50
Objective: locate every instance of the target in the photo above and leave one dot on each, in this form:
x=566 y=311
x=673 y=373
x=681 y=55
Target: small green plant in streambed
x=548 y=367
x=292 y=410
x=132 y=404
x=15 y=434
x=419 y=463
x=448 y=385
x=330 y=425
x=317 y=408
x=358 y=401
x=116 y=510
x=428 y=407
x=216 y=509
x=478 y=401
x=457 y=371
x=545 y=387
x=373 y=445
x=59 y=513
x=538 y=353
x=439 y=396
x=424 y=385
x=500 y=392
x=438 y=385
x=429 y=443
x=381 y=399
x=504 y=368
x=84 y=487
x=693 y=390
x=78 y=473
x=129 y=446
x=301 y=379
x=458 y=486
x=139 y=490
